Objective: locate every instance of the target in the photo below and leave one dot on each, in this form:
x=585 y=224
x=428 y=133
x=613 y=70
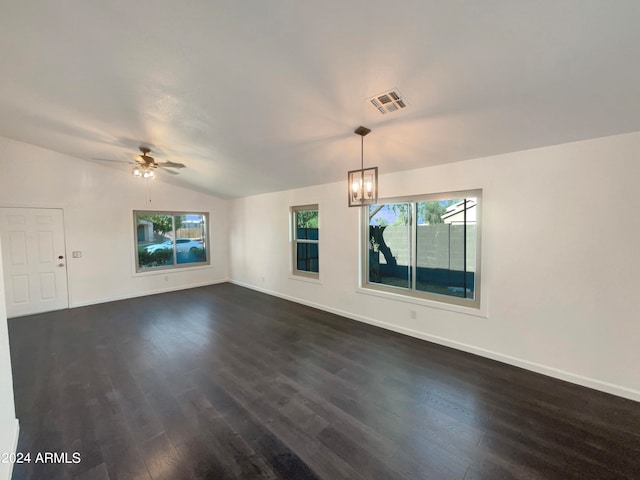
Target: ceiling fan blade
x=171 y=164
x=112 y=161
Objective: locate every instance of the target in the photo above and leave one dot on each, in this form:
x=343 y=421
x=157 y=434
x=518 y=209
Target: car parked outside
x=183 y=245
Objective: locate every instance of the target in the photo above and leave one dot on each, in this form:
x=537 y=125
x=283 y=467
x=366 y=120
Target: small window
x=305 y=243
x=166 y=240
x=425 y=247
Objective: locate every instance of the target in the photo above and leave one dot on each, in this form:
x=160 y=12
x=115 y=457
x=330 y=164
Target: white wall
x=8 y=422
x=560 y=259
x=98 y=202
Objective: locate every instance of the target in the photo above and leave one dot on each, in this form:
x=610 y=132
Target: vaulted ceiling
x=257 y=96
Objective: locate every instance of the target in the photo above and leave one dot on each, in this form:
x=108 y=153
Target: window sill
x=302 y=278
x=475 y=312
x=166 y=271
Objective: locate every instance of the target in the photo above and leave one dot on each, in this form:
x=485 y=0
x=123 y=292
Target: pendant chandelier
x=363 y=183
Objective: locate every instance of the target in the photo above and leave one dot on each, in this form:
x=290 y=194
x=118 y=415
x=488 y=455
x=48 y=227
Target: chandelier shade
x=362 y=183
x=363 y=186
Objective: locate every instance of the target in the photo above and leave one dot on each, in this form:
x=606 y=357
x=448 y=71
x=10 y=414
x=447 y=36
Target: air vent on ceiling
x=388 y=102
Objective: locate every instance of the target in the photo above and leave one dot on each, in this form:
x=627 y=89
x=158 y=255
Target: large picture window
x=167 y=240
x=426 y=247
x=305 y=235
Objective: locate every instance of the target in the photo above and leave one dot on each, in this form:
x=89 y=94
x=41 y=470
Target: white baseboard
x=173 y=288
x=6 y=469
x=549 y=371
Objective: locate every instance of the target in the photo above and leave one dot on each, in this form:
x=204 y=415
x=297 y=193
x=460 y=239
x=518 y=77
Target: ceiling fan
x=146 y=164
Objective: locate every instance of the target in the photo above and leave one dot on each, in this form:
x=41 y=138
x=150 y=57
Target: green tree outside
x=307 y=219
x=161 y=223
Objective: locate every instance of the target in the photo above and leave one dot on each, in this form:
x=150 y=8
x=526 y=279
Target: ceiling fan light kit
x=362 y=183
x=143 y=172
x=147 y=165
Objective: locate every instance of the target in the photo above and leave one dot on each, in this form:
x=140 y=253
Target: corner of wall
x=9 y=427
x=9 y=445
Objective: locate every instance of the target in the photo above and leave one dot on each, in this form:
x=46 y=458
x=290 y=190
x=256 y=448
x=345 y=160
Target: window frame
x=294 y=240
x=175 y=266
x=412 y=294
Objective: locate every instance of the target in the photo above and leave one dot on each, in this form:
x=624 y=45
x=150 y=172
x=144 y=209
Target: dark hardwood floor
x=222 y=382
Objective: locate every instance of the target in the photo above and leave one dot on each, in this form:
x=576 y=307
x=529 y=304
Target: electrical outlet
x=76 y=254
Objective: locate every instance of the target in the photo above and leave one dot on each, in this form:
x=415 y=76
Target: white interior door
x=33 y=257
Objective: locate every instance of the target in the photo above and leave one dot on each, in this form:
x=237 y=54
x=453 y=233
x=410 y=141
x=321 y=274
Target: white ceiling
x=258 y=96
